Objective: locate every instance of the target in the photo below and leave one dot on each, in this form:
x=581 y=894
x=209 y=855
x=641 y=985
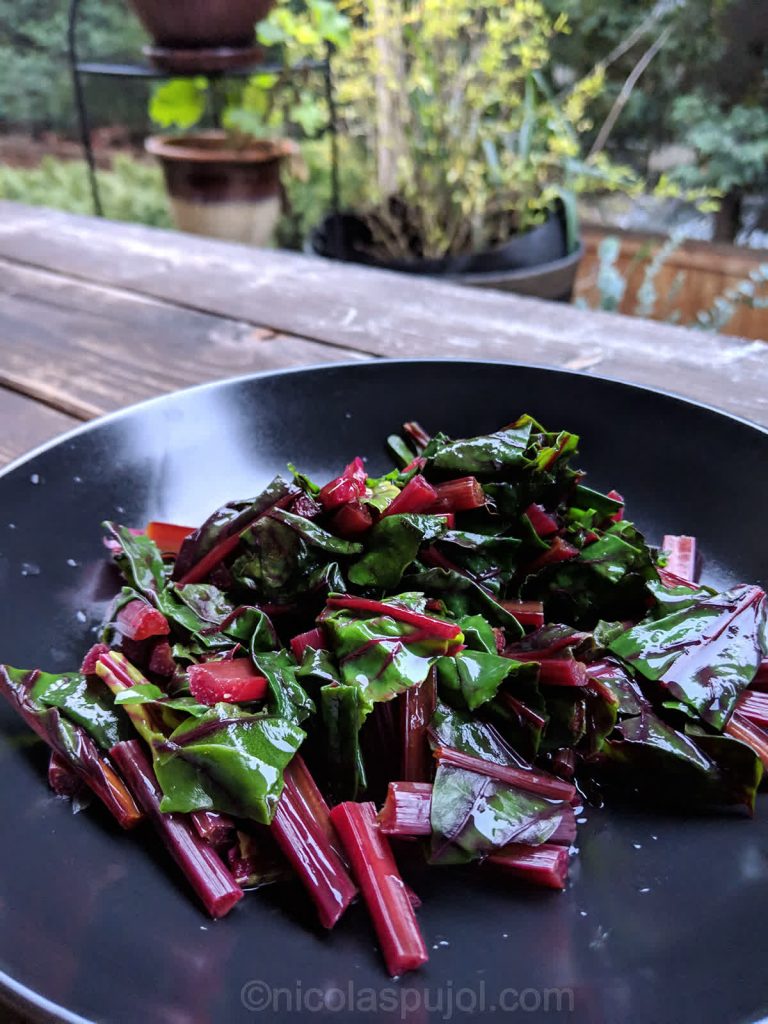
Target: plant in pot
x=226 y=182
x=204 y=35
x=473 y=162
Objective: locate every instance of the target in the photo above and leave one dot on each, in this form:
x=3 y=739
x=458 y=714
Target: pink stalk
x=200 y=864
x=382 y=887
x=681 y=556
x=540 y=783
x=406 y=811
x=545 y=866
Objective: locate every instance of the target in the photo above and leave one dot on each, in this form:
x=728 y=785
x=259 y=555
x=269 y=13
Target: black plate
x=666 y=919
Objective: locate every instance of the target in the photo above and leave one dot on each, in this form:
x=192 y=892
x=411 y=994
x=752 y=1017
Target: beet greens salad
x=453 y=656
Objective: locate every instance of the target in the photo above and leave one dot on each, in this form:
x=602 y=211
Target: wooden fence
x=690 y=279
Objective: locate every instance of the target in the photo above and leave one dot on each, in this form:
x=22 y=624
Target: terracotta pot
x=201 y=23
x=221 y=190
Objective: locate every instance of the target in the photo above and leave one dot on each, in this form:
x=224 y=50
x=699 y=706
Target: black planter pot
x=535 y=263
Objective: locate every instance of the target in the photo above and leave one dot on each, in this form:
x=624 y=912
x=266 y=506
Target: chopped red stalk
x=382 y=887
x=417 y=705
x=161 y=660
x=417 y=463
x=349 y=486
x=62 y=778
x=168 y=536
x=559 y=551
x=523 y=712
x=741 y=728
x=88 y=667
x=200 y=864
x=351 y=519
x=681 y=556
x=417 y=433
x=540 y=783
x=416 y=496
x=214 y=828
x=754 y=706
x=557 y=671
x=314 y=638
x=527 y=613
x=543 y=523
x=306 y=792
x=430 y=627
x=459 y=495
x=138 y=620
x=617 y=516
x=565 y=833
x=75 y=746
x=545 y=866
x=217 y=554
x=233 y=681
x=302 y=836
x=413 y=898
x=305 y=505
x=406 y=810
x=760 y=682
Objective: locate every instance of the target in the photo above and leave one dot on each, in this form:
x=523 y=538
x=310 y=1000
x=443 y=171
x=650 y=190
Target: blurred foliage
x=706 y=89
x=132 y=190
x=35 y=84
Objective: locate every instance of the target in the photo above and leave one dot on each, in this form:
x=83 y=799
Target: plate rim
x=145 y=403
x=17 y=996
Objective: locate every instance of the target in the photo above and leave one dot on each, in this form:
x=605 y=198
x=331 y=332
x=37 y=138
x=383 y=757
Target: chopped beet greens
x=447 y=655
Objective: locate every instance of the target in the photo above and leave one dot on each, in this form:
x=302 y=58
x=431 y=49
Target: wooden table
x=96 y=315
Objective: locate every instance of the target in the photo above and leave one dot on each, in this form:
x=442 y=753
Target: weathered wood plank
x=86 y=349
x=387 y=314
x=26 y=423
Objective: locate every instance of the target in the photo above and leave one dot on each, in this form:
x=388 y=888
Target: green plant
x=132 y=190
x=452 y=106
x=267 y=104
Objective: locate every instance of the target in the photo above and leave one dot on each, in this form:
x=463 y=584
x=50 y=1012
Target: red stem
x=416 y=496
x=741 y=728
x=431 y=627
x=527 y=613
x=382 y=887
x=302 y=837
x=406 y=810
x=458 y=495
x=138 y=620
x=201 y=865
x=545 y=865
x=536 y=782
x=417 y=707
x=543 y=523
x=558 y=551
x=681 y=556
x=313 y=638
x=212 y=827
x=556 y=671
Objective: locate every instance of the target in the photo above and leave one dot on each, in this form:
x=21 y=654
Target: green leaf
x=287 y=698
x=380 y=655
x=471 y=815
x=179 y=103
x=488 y=454
x=473 y=677
x=344 y=709
x=228 y=761
x=148 y=693
x=391 y=546
x=703 y=655
x=78 y=700
x=462 y=596
x=140 y=560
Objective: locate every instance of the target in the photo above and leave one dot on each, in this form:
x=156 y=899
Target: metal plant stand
x=144 y=72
